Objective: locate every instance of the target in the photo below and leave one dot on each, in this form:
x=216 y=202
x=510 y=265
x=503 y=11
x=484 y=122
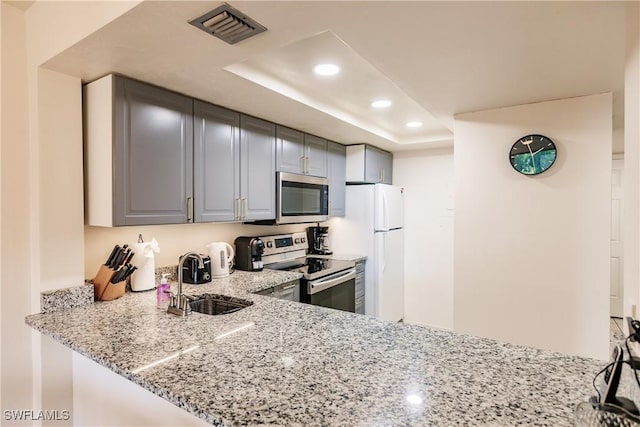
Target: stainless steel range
x=325 y=282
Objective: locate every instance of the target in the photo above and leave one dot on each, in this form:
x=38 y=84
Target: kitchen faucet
x=179 y=303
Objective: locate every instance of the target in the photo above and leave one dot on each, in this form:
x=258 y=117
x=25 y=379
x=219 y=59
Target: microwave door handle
x=320 y=285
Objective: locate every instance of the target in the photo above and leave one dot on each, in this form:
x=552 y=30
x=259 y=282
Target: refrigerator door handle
x=385 y=213
x=384 y=251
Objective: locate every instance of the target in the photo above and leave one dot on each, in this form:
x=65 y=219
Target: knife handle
x=119 y=259
x=112 y=255
x=127 y=260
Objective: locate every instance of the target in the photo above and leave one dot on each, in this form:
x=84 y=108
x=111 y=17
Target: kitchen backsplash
x=174 y=240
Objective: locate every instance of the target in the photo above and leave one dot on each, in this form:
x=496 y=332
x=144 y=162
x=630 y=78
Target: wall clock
x=532 y=154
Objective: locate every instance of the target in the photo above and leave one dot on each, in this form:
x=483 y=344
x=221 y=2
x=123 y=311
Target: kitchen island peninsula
x=278 y=362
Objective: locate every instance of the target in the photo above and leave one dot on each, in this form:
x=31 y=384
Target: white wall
x=1 y=134
x=631 y=203
x=174 y=240
x=59 y=234
x=427 y=177
x=531 y=253
x=17 y=379
x=41 y=189
x=60 y=175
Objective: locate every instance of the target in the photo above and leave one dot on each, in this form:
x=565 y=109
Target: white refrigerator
x=373 y=226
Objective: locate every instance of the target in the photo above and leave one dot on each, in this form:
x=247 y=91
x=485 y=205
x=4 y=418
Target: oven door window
x=339 y=297
x=301 y=199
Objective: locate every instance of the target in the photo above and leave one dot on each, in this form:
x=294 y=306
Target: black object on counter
x=112 y=256
x=191 y=273
x=119 y=257
x=249 y=253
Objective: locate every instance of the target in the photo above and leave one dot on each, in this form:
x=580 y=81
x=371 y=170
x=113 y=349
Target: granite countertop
x=306 y=365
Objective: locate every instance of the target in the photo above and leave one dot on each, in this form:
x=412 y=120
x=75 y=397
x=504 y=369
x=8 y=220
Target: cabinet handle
x=286 y=288
x=237 y=210
x=245 y=208
x=382 y=174
x=189 y=209
x=304 y=164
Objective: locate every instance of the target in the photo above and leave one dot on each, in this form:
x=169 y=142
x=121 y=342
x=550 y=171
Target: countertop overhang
x=302 y=364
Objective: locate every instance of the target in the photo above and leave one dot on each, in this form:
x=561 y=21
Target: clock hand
x=533 y=160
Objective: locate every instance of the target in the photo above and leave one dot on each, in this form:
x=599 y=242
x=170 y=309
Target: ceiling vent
x=228 y=24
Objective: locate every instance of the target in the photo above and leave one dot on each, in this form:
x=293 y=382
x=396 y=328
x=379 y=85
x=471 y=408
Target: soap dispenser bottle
x=164 y=292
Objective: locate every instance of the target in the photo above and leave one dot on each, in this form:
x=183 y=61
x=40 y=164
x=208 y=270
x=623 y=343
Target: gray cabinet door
x=289 y=291
x=257 y=168
x=372 y=165
x=316 y=154
x=153 y=179
x=216 y=164
x=290 y=150
x=337 y=170
x=266 y=292
x=378 y=165
x=359 y=288
x=386 y=163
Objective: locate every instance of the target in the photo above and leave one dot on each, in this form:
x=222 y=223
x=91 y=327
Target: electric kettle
x=221 y=254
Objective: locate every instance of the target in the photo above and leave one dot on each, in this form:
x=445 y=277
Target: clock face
x=532 y=154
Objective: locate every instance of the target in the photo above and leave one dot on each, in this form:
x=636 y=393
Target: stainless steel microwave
x=301 y=198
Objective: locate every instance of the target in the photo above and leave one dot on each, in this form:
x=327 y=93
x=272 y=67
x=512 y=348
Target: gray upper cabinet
x=378 y=165
x=373 y=165
x=154 y=146
x=336 y=166
x=300 y=153
x=369 y=164
x=257 y=169
x=234 y=166
x=138 y=154
x=316 y=154
x=153 y=156
x=216 y=163
x=290 y=152
x=386 y=164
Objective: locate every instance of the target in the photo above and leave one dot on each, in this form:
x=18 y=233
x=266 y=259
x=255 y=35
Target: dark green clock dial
x=532 y=154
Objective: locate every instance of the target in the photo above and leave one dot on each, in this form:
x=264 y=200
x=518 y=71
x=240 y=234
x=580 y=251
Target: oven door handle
x=320 y=285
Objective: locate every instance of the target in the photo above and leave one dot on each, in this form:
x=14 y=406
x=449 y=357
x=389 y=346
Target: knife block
x=103 y=289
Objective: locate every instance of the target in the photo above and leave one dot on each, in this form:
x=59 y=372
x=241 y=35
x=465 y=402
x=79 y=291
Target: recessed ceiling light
x=381 y=103
x=413 y=124
x=326 y=69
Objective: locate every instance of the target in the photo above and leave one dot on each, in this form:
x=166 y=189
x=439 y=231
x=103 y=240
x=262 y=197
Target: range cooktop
x=312 y=268
x=288 y=252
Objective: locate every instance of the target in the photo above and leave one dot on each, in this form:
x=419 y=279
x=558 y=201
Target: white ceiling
x=447 y=57
x=347 y=95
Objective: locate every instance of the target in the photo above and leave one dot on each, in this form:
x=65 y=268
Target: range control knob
x=269 y=244
x=296 y=241
x=304 y=239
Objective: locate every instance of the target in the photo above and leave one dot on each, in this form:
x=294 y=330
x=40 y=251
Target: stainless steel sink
x=217 y=304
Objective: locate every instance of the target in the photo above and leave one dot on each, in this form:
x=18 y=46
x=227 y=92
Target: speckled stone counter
x=62 y=299
x=305 y=365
